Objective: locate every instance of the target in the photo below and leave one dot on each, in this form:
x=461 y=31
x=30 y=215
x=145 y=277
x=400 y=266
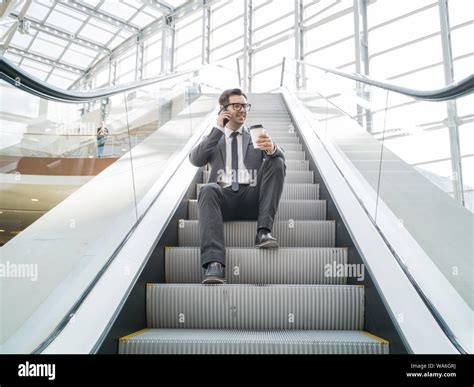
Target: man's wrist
x=220 y=128
x=272 y=151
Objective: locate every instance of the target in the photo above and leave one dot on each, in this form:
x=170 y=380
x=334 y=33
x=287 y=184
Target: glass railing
x=411 y=164
x=69 y=198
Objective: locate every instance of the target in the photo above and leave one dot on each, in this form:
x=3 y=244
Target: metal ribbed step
x=277 y=131
x=297 y=233
x=297 y=165
x=270 y=124
x=282 y=126
x=283 y=136
x=264 y=108
x=258 y=116
x=300 y=265
x=286 y=138
x=203 y=341
x=267 y=112
x=290 y=147
x=255 y=307
x=273 y=124
x=282 y=129
x=268 y=118
x=292 y=177
x=287 y=209
x=264 y=105
x=291 y=165
x=291 y=191
x=295 y=155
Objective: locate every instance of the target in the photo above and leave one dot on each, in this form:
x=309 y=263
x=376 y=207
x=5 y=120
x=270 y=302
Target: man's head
x=227 y=100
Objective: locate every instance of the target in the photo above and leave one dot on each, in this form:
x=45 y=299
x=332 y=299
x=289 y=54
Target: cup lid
x=256 y=126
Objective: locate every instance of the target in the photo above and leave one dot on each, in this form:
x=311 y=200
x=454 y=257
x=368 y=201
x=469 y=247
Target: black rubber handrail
x=456 y=90
x=26 y=82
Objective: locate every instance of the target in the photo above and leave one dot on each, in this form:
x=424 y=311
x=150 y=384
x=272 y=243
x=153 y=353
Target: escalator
x=284 y=301
x=127 y=277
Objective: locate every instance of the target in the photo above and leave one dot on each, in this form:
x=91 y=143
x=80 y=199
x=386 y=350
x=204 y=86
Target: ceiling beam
x=124 y=46
x=60 y=58
x=13 y=28
x=88 y=10
x=9 y=36
x=191 y=6
x=49 y=30
x=159 y=5
x=6 y=7
x=45 y=17
x=44 y=60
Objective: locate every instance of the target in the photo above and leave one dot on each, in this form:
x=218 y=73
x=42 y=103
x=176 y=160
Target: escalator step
x=204 y=341
x=281 y=136
x=267 y=120
x=297 y=165
x=292 y=165
x=294 y=155
x=292 y=177
x=302 y=265
x=276 y=130
x=291 y=191
x=287 y=209
x=290 y=147
x=293 y=233
x=255 y=307
x=287 y=138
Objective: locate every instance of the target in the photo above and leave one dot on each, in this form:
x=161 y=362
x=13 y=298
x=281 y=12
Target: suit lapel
x=221 y=146
x=245 y=140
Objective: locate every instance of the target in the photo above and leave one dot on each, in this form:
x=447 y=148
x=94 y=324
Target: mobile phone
x=226 y=120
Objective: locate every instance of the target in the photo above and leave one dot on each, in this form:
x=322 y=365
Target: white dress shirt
x=244 y=176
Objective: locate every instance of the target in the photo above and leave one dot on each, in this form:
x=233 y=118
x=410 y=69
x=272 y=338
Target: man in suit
x=244 y=183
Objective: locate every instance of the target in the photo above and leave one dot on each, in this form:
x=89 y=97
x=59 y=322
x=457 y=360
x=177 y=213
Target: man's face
x=238 y=116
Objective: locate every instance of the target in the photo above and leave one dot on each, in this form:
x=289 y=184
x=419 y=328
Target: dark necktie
x=235 y=162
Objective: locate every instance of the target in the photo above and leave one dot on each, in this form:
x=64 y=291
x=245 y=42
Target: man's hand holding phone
x=223 y=119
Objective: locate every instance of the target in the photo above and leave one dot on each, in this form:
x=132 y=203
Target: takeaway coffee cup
x=255 y=132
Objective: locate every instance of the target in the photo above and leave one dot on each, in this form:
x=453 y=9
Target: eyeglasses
x=238 y=106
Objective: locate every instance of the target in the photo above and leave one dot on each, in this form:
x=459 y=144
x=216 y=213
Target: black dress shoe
x=265 y=240
x=214 y=274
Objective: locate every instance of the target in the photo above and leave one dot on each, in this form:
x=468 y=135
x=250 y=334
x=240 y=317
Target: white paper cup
x=255 y=132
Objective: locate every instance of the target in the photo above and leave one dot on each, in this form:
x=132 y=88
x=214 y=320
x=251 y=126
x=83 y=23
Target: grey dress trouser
x=251 y=202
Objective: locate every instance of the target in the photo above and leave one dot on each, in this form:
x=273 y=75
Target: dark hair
x=224 y=98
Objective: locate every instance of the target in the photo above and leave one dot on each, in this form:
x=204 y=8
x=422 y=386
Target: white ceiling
x=67 y=37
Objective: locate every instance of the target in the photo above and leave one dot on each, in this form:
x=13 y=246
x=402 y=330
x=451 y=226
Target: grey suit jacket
x=212 y=150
